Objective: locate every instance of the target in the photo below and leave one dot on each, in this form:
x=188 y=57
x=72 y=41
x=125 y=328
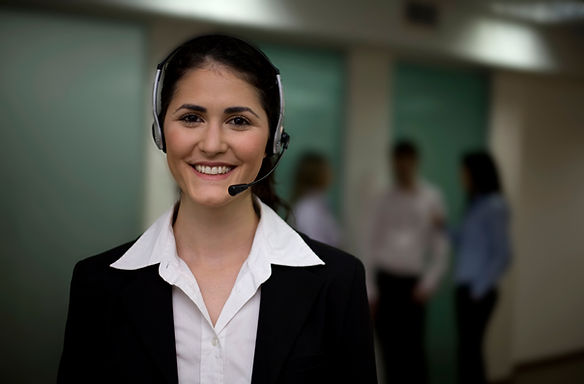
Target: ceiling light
x=545 y=12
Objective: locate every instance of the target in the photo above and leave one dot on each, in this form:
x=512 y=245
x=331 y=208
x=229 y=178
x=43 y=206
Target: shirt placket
x=212 y=355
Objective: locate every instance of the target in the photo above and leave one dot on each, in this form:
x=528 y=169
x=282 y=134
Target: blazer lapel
x=149 y=301
x=286 y=300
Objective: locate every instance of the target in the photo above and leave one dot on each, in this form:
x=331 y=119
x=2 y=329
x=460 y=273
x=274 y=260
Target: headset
x=281 y=139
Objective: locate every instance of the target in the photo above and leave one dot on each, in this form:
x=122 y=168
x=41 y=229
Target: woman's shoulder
x=495 y=202
x=337 y=263
x=95 y=267
x=491 y=208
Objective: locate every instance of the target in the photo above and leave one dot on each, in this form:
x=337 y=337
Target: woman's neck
x=215 y=236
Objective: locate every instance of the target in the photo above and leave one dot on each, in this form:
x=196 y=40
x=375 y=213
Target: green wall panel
x=71 y=167
x=445 y=112
x=313 y=82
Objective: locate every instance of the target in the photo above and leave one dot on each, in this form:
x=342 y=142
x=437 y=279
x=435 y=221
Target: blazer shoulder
x=97 y=265
x=337 y=262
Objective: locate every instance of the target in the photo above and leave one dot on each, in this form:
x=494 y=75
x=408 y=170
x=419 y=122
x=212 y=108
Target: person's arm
x=356 y=352
x=374 y=234
x=439 y=249
x=499 y=253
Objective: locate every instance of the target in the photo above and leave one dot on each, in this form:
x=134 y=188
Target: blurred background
x=80 y=172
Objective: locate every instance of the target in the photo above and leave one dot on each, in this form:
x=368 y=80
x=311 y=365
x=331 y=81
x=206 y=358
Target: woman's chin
x=213 y=197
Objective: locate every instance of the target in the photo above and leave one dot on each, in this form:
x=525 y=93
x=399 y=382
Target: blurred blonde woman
x=311 y=209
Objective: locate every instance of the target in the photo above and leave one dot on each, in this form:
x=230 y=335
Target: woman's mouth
x=212 y=170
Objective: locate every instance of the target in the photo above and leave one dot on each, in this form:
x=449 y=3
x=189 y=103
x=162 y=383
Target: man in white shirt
x=409 y=251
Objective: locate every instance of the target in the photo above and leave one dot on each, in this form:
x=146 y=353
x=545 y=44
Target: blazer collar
x=286 y=301
x=148 y=300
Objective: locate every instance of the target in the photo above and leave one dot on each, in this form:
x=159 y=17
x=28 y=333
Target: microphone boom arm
x=236 y=189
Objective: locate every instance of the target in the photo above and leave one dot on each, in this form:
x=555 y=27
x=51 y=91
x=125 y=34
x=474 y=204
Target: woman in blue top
x=483 y=254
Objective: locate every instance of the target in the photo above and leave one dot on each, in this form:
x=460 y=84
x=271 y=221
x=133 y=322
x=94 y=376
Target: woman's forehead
x=216 y=83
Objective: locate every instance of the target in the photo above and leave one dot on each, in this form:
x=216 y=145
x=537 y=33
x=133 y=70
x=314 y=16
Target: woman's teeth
x=212 y=170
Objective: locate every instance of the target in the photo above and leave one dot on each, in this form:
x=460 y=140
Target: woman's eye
x=191 y=119
x=238 y=120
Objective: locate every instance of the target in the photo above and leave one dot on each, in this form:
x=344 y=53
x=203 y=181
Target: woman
x=483 y=255
x=219 y=289
x=312 y=215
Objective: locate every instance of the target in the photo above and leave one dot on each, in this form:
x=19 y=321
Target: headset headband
x=157 y=131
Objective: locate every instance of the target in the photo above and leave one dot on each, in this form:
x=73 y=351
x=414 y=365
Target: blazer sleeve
x=83 y=331
x=358 y=354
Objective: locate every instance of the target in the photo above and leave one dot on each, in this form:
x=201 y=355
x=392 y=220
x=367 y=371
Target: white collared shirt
x=222 y=353
x=408 y=237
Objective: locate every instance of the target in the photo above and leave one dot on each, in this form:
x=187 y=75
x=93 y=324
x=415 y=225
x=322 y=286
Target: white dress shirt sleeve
x=439 y=245
x=375 y=237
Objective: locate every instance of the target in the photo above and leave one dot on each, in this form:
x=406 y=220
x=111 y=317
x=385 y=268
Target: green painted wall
x=445 y=112
x=71 y=167
x=314 y=93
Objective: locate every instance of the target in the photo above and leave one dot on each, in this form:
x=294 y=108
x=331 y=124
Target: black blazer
x=314 y=324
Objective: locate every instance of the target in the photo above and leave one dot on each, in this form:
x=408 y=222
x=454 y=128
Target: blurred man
x=409 y=251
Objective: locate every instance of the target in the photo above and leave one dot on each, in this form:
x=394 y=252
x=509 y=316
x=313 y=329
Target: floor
x=569 y=370
x=566 y=370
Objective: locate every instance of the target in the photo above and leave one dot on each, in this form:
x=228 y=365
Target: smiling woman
x=204 y=294
x=213 y=110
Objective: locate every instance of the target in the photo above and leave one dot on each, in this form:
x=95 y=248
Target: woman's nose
x=213 y=141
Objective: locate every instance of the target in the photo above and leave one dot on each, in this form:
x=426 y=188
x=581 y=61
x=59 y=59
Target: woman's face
x=216 y=132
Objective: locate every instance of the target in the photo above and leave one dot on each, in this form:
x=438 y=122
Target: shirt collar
x=275 y=242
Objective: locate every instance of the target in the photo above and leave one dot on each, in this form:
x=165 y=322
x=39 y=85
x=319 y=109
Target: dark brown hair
x=405 y=148
x=483 y=174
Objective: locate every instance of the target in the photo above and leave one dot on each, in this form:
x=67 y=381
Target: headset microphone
x=236 y=189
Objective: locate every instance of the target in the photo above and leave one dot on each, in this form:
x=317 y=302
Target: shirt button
x=215 y=341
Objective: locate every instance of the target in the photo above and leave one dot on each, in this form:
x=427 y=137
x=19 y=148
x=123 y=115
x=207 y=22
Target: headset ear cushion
x=158 y=137
x=277 y=141
x=284 y=139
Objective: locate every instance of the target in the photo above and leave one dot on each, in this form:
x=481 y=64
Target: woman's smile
x=212 y=171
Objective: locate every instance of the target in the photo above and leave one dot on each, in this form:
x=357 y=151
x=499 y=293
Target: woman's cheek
x=175 y=150
x=252 y=149
x=175 y=140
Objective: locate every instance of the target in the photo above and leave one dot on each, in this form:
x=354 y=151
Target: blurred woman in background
x=311 y=210
x=483 y=254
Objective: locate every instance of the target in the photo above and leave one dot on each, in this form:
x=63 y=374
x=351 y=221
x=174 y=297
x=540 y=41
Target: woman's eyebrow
x=192 y=107
x=231 y=110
